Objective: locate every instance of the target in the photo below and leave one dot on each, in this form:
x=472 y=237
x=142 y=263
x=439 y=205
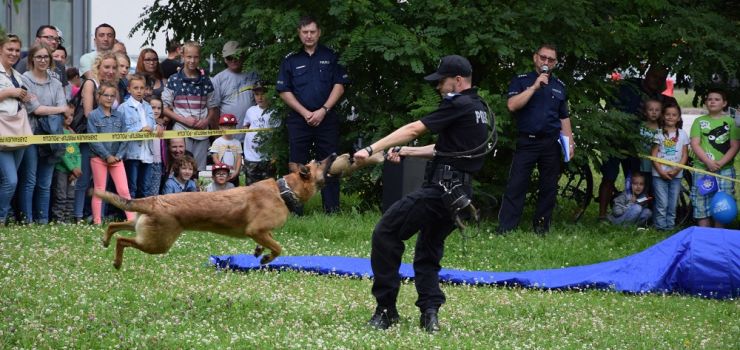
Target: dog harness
x=287 y=194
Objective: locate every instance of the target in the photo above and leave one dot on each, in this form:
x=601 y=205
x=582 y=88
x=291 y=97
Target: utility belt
x=540 y=135
x=443 y=173
x=454 y=184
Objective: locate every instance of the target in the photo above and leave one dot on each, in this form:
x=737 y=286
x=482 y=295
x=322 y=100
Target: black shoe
x=429 y=321
x=383 y=319
x=541 y=226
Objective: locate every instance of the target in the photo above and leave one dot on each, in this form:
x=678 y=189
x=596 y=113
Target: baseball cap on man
x=451 y=66
x=230 y=48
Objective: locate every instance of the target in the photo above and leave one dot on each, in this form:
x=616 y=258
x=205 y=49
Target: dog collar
x=287 y=194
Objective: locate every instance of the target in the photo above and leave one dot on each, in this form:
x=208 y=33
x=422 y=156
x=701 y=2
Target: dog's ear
x=304 y=172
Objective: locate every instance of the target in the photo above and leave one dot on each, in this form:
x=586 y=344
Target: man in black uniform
x=539 y=104
x=461 y=121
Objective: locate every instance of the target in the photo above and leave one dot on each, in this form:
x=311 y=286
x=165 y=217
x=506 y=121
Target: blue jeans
x=666 y=198
x=9 y=163
x=35 y=176
x=138 y=174
x=635 y=214
x=83 y=182
x=154 y=182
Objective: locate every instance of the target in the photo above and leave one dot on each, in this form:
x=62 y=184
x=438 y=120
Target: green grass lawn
x=58 y=289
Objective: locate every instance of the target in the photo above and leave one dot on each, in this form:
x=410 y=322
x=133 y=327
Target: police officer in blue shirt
x=539 y=104
x=311 y=81
x=462 y=123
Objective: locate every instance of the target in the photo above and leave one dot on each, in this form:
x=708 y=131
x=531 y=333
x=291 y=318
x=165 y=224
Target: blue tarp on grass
x=697 y=261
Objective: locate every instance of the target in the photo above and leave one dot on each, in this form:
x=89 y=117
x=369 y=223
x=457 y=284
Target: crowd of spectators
x=42 y=93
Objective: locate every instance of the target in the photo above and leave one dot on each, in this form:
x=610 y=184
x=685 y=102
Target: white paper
x=565 y=145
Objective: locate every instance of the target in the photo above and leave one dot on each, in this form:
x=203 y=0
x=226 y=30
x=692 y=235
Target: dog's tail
x=120 y=202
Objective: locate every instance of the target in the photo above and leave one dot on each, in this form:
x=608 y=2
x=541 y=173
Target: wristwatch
x=325 y=108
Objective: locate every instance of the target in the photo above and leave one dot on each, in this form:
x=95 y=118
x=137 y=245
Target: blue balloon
x=723 y=208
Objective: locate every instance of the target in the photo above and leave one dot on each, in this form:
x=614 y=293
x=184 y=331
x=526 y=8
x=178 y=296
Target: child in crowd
x=106 y=156
x=256 y=166
x=182 y=178
x=652 y=110
x=66 y=173
x=671 y=144
x=226 y=149
x=73 y=76
x=139 y=117
x=124 y=67
x=220 y=174
x=715 y=141
x=159 y=148
x=630 y=207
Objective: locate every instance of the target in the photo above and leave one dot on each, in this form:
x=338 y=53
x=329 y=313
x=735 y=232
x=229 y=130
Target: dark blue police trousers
x=308 y=142
x=530 y=151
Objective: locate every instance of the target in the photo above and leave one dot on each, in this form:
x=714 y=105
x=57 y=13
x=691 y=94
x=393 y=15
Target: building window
x=61 y=17
x=19 y=22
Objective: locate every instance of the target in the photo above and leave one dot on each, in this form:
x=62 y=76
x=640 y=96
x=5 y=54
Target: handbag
x=79 y=122
x=51 y=125
x=15 y=125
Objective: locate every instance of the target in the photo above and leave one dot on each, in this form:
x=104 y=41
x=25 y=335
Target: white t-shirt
x=213 y=187
x=256 y=119
x=228 y=150
x=670 y=147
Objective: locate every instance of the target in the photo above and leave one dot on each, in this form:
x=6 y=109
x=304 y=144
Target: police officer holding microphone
x=461 y=123
x=539 y=104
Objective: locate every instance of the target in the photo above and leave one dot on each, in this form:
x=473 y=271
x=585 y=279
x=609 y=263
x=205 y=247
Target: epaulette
x=522 y=75
x=560 y=81
x=290 y=54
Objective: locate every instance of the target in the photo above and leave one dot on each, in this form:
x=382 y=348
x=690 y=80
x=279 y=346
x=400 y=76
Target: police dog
x=253 y=211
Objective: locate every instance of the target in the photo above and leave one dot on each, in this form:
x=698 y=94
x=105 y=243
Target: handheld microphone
x=546 y=70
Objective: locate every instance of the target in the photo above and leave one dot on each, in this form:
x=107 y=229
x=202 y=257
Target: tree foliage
x=388 y=45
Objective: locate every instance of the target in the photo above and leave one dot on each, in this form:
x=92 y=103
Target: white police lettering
x=481 y=117
x=325 y=62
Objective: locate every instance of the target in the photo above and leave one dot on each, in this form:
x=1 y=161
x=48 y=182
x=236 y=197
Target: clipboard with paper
x=565 y=146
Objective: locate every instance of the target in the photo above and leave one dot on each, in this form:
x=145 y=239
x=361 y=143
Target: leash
x=686 y=167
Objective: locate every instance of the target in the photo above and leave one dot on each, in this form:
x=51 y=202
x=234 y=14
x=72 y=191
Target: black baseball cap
x=451 y=66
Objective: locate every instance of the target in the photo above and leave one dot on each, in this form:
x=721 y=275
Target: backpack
x=79 y=122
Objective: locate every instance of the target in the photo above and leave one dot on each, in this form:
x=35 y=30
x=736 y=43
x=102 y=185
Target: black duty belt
x=540 y=135
x=444 y=172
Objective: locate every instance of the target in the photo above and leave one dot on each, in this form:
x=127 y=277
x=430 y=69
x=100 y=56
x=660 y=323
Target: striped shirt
x=189 y=97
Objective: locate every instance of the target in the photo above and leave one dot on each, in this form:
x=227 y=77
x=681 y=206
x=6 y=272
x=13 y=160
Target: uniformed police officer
x=311 y=81
x=461 y=121
x=539 y=104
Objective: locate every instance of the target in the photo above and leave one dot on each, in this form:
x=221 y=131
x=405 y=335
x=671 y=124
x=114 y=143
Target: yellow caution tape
x=120 y=136
x=686 y=167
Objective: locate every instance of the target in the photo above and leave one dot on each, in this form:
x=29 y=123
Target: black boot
x=383 y=318
x=429 y=321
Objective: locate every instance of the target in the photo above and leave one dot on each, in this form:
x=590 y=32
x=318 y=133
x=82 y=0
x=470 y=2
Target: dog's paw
x=258 y=251
x=105 y=243
x=117 y=265
x=266 y=259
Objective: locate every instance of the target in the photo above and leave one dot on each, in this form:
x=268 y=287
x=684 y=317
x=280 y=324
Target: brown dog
x=252 y=211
